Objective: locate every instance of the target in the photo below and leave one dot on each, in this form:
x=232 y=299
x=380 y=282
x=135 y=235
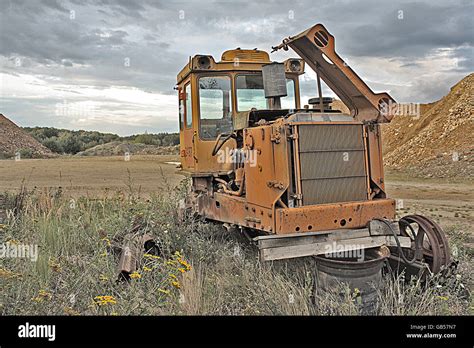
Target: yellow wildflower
x=150 y=256
x=105 y=300
x=185 y=264
x=42 y=295
x=103 y=278
x=106 y=240
x=172 y=276
x=182 y=270
x=167 y=292
x=176 y=284
x=147 y=269
x=135 y=275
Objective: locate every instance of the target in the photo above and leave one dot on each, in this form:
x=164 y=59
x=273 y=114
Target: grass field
x=75 y=273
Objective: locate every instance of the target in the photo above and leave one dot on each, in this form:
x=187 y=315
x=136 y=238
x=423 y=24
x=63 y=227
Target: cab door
x=188 y=129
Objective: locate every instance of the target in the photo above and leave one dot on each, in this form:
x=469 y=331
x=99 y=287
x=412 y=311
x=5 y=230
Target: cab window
x=189 y=108
x=181 y=114
x=250 y=93
x=215 y=106
x=289 y=102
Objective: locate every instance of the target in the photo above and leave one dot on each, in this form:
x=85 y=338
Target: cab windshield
x=250 y=93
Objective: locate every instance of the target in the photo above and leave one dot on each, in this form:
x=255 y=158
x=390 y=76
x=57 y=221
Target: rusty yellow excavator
x=299 y=180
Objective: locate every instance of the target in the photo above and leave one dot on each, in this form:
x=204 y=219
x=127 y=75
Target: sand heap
x=439 y=143
x=14 y=139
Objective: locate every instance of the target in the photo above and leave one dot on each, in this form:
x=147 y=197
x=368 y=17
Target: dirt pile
x=14 y=139
x=119 y=148
x=438 y=143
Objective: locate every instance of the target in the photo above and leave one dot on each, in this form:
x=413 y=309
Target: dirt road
x=450 y=203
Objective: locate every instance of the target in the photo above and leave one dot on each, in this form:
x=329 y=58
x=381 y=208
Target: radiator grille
x=332 y=160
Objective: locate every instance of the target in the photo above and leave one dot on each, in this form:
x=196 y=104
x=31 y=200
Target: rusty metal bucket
x=362 y=276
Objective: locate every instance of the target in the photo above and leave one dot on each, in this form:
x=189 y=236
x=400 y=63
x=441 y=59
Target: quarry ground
x=448 y=201
x=91 y=176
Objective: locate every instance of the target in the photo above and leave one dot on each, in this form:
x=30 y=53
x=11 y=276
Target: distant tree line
x=65 y=141
x=160 y=139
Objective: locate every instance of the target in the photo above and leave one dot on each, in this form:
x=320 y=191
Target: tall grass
x=78 y=256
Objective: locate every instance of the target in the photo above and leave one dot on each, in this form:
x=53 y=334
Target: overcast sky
x=111 y=65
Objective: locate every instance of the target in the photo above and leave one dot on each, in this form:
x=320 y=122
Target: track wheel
x=429 y=243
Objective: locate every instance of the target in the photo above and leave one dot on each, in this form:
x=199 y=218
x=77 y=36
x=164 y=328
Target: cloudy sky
x=111 y=65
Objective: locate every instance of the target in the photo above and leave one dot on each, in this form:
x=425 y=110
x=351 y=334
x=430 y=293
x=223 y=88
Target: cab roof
x=235 y=60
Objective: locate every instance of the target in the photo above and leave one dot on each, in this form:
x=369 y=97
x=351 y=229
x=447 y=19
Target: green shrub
x=26 y=153
x=146 y=139
x=53 y=144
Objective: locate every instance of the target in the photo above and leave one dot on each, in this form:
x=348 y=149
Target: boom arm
x=316 y=47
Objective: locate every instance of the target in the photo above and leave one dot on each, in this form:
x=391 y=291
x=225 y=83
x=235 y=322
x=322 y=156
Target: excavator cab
x=215 y=99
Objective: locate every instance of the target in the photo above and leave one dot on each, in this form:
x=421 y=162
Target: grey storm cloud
x=143 y=44
x=415 y=27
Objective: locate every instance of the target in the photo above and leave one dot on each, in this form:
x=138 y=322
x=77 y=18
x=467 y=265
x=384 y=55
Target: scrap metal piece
x=134 y=246
x=360 y=273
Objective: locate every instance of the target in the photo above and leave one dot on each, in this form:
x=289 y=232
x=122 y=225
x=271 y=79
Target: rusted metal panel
x=332 y=216
x=375 y=156
x=235 y=210
x=267 y=178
